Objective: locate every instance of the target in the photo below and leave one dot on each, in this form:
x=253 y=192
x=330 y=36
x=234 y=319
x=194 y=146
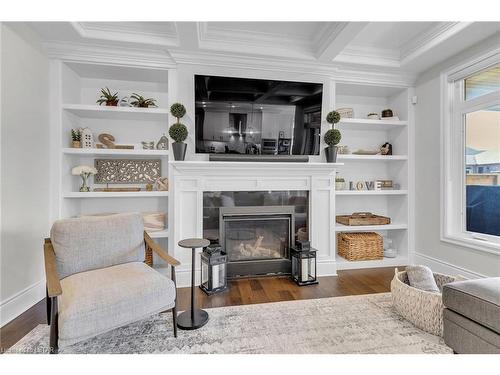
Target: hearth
x=256 y=229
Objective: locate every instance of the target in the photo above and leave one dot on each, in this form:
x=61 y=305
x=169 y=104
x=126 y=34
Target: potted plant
x=76 y=137
x=339 y=183
x=142 y=102
x=111 y=100
x=178 y=132
x=84 y=172
x=332 y=137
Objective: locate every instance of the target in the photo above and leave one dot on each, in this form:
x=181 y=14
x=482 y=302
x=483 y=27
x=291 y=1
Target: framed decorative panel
x=127 y=171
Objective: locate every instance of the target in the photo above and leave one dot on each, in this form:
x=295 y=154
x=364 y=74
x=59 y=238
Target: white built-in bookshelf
x=76 y=87
x=368 y=134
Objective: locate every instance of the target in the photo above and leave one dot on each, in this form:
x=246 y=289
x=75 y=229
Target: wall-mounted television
x=257 y=116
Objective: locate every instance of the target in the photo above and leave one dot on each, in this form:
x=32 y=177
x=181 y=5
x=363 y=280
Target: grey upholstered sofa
x=99 y=277
x=471 y=318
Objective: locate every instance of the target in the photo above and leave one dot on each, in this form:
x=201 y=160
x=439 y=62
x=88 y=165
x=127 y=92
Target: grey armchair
x=100 y=277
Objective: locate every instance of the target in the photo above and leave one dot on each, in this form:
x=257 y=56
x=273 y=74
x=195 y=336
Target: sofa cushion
x=478 y=300
x=421 y=277
x=97 y=301
x=87 y=243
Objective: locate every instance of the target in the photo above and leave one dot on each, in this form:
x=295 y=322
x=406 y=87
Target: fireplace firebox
x=257 y=239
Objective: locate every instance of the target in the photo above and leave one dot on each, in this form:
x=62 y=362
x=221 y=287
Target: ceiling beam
x=336 y=37
x=188 y=35
x=431 y=39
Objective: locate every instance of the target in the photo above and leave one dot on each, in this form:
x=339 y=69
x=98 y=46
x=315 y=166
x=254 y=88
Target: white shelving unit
x=359 y=133
x=118 y=194
x=353 y=157
x=369 y=228
x=76 y=87
x=116 y=113
x=116 y=152
x=371 y=192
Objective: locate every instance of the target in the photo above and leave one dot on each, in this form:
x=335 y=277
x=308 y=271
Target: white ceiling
x=398 y=47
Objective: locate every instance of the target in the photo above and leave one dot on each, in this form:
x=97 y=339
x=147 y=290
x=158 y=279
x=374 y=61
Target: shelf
x=117 y=113
x=371 y=157
x=159 y=234
x=104 y=151
x=121 y=194
x=367 y=124
x=371 y=192
x=368 y=228
x=344 y=264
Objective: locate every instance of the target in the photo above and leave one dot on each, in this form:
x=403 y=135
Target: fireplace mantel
x=232 y=167
x=189 y=179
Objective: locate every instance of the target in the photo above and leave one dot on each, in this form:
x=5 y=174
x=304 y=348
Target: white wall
x=24 y=173
x=429 y=248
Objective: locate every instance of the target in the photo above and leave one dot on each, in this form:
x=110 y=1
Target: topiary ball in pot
x=333 y=117
x=178 y=132
x=177 y=110
x=332 y=139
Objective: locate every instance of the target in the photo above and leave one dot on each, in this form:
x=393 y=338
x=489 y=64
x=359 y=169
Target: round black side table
x=193 y=318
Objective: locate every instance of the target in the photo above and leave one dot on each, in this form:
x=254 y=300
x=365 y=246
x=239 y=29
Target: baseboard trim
x=14 y=306
x=444 y=267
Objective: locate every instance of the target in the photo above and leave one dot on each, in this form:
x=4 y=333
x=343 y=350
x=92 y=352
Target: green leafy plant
x=333 y=117
x=177 y=110
x=333 y=137
x=76 y=135
x=108 y=98
x=339 y=179
x=140 y=101
x=178 y=132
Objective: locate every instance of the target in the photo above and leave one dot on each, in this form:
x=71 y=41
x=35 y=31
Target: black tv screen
x=257 y=116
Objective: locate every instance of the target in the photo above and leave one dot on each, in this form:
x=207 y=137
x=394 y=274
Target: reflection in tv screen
x=256 y=116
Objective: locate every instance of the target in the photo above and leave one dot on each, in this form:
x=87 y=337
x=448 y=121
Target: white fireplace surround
x=189 y=179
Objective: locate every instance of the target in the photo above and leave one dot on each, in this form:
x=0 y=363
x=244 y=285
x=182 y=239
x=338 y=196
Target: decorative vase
x=179 y=149
x=85 y=180
x=76 y=144
x=331 y=154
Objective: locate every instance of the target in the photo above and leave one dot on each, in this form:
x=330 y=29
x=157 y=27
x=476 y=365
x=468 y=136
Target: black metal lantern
x=213 y=269
x=304 y=266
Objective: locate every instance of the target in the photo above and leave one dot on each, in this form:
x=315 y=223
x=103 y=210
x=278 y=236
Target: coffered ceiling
x=397 y=47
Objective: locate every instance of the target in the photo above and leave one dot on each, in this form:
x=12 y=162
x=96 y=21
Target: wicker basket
x=360 y=246
x=423 y=309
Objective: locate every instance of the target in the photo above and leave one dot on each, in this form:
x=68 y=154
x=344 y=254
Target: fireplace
x=256 y=229
x=257 y=239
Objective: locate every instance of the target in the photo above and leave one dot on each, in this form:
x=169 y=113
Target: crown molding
x=431 y=39
x=120 y=33
x=100 y=53
x=331 y=70
x=364 y=55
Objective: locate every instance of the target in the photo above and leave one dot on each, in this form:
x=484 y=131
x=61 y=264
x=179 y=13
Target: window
x=471 y=156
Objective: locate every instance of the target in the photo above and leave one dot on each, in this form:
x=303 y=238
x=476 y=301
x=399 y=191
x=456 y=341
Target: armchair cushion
x=87 y=243
x=100 y=300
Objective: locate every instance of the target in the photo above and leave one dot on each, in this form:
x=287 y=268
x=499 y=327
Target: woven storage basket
x=423 y=309
x=360 y=246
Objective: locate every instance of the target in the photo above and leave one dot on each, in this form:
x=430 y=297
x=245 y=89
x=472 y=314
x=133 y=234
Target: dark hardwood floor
x=241 y=292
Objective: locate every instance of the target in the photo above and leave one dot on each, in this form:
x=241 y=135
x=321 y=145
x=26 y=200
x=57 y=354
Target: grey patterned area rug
x=354 y=324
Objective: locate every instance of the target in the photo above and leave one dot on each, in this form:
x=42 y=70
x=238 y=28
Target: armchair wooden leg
x=174 y=309
x=47 y=303
x=174 y=315
x=54 y=329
